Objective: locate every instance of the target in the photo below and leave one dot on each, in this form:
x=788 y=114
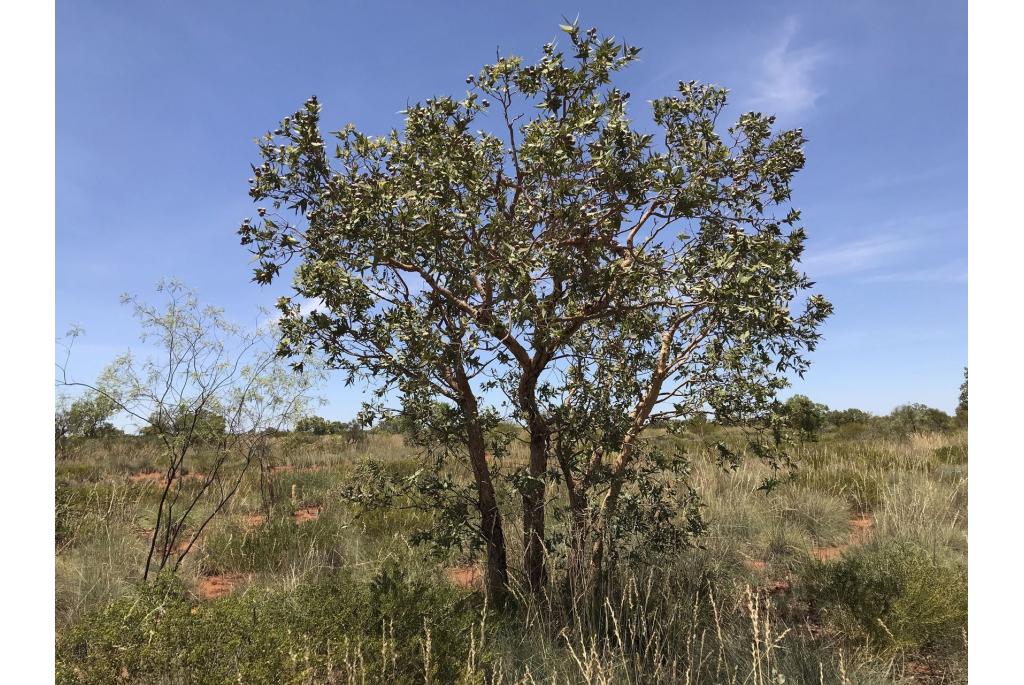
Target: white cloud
x=951 y=272
x=785 y=85
x=882 y=259
x=856 y=256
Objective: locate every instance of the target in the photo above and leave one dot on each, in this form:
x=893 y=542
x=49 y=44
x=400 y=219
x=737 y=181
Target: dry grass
x=736 y=611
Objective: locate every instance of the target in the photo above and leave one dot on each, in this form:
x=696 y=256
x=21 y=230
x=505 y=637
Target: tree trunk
x=496 y=576
x=602 y=536
x=533 y=509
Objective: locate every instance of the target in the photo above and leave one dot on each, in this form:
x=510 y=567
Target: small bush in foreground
x=895 y=594
x=395 y=629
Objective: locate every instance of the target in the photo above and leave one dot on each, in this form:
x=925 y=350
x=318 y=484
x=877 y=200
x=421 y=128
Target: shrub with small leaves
x=896 y=594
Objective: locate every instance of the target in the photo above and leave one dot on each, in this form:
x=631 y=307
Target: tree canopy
x=806 y=416
x=529 y=240
x=88 y=416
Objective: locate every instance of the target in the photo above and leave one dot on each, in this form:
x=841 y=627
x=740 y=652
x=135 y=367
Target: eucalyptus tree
x=500 y=236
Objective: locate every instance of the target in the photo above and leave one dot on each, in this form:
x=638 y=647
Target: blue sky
x=158 y=105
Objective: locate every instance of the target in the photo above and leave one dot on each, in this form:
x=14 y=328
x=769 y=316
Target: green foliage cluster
x=812 y=419
x=317 y=425
x=805 y=416
x=897 y=594
x=843 y=417
x=87 y=417
x=918 y=418
x=381 y=628
x=961 y=405
x=205 y=424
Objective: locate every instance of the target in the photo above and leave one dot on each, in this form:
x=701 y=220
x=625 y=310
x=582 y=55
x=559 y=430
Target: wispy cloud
x=882 y=259
x=785 y=84
x=856 y=256
x=951 y=272
x=890 y=179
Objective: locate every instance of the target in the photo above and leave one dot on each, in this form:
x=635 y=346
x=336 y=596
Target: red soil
x=212 y=587
x=469 y=577
x=146 y=476
x=250 y=521
x=922 y=671
x=307 y=514
x=860 y=530
x=758 y=565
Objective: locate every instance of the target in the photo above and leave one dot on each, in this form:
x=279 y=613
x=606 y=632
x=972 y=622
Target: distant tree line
x=810 y=419
x=317 y=425
x=89 y=417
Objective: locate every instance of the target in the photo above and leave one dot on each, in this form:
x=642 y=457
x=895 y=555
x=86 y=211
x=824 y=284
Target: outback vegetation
x=575 y=467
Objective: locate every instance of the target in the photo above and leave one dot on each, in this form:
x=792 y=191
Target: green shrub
x=856 y=430
x=896 y=594
x=917 y=418
x=805 y=416
x=333 y=631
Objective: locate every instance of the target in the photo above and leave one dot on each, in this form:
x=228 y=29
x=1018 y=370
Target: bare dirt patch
x=212 y=587
x=146 y=477
x=768 y=584
x=306 y=514
x=252 y=521
x=921 y=670
x=860 y=531
x=470 y=577
x=860 y=528
x=758 y=565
